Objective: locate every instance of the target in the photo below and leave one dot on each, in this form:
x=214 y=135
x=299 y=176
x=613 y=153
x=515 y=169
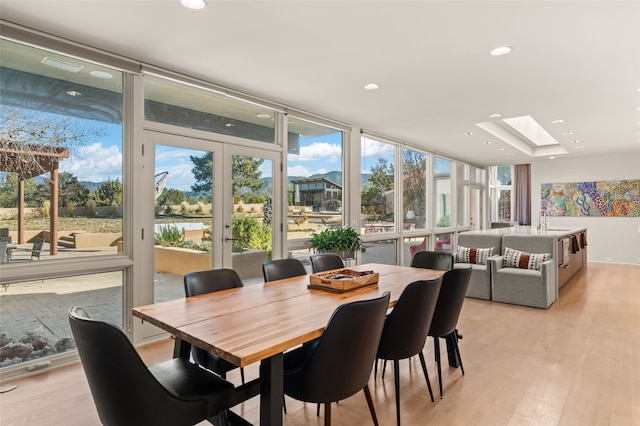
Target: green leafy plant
x=343 y=241
x=168 y=236
x=249 y=233
x=444 y=221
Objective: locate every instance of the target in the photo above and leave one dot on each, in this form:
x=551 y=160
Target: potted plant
x=343 y=241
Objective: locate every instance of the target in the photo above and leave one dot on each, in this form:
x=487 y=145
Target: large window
x=414 y=187
x=378 y=186
x=315 y=181
x=500 y=193
x=62 y=123
x=61 y=195
x=442 y=192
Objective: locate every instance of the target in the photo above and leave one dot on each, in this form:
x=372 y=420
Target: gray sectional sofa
x=515 y=285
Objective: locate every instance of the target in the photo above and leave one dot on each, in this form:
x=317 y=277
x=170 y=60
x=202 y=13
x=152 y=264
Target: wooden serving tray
x=341 y=280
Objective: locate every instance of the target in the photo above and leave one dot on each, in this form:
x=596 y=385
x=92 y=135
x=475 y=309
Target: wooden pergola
x=28 y=161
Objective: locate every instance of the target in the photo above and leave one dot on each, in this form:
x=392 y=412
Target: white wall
x=612 y=239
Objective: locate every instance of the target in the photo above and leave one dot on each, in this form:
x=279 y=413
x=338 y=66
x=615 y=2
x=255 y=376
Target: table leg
x=451 y=353
x=181 y=349
x=271 y=391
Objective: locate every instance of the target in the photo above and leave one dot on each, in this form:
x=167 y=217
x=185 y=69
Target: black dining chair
x=127 y=392
x=208 y=281
x=406 y=328
x=326 y=261
x=445 y=317
x=282 y=268
x=440 y=260
x=339 y=364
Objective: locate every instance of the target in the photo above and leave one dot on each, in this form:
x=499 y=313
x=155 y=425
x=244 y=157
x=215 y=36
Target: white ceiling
x=573 y=60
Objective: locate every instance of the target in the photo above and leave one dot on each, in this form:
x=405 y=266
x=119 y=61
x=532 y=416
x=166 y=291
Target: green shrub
x=251 y=234
x=69 y=209
x=168 y=236
x=444 y=221
x=184 y=207
x=46 y=206
x=91 y=208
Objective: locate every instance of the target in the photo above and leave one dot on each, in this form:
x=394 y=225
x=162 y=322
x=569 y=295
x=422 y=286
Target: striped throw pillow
x=474 y=255
x=520 y=259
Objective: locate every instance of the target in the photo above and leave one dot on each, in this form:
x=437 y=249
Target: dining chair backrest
x=452 y=293
x=440 y=260
x=209 y=281
x=407 y=326
x=202 y=282
x=341 y=363
x=126 y=391
x=325 y=262
x=282 y=268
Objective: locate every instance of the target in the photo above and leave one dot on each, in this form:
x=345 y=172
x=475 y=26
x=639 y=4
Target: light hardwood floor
x=576 y=363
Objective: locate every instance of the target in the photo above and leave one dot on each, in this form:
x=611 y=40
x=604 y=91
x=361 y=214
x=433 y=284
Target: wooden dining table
x=258 y=323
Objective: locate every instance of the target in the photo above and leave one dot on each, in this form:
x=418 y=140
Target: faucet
x=542 y=219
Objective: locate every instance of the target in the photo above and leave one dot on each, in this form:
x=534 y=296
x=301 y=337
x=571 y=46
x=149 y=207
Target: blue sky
x=100 y=160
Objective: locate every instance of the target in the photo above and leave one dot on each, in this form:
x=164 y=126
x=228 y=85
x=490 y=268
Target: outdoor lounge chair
x=34 y=252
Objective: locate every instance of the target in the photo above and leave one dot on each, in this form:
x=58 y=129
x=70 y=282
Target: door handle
x=227 y=239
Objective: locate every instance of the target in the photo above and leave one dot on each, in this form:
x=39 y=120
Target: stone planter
x=180 y=261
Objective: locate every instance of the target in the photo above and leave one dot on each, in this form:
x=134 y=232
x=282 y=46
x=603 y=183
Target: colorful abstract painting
x=602 y=198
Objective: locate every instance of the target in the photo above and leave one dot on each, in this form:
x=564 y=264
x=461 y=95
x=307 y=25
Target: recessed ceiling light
x=73 y=93
x=571 y=132
x=263 y=116
x=552 y=157
x=500 y=149
x=557 y=121
x=509 y=153
x=496 y=115
x=193 y=4
x=487 y=142
x=575 y=141
x=468 y=133
x=499 y=51
x=371 y=86
x=229 y=125
x=101 y=74
x=579 y=147
x=61 y=65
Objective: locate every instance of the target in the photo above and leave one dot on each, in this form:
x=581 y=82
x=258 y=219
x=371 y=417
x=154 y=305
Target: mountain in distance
x=89 y=185
x=42 y=179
